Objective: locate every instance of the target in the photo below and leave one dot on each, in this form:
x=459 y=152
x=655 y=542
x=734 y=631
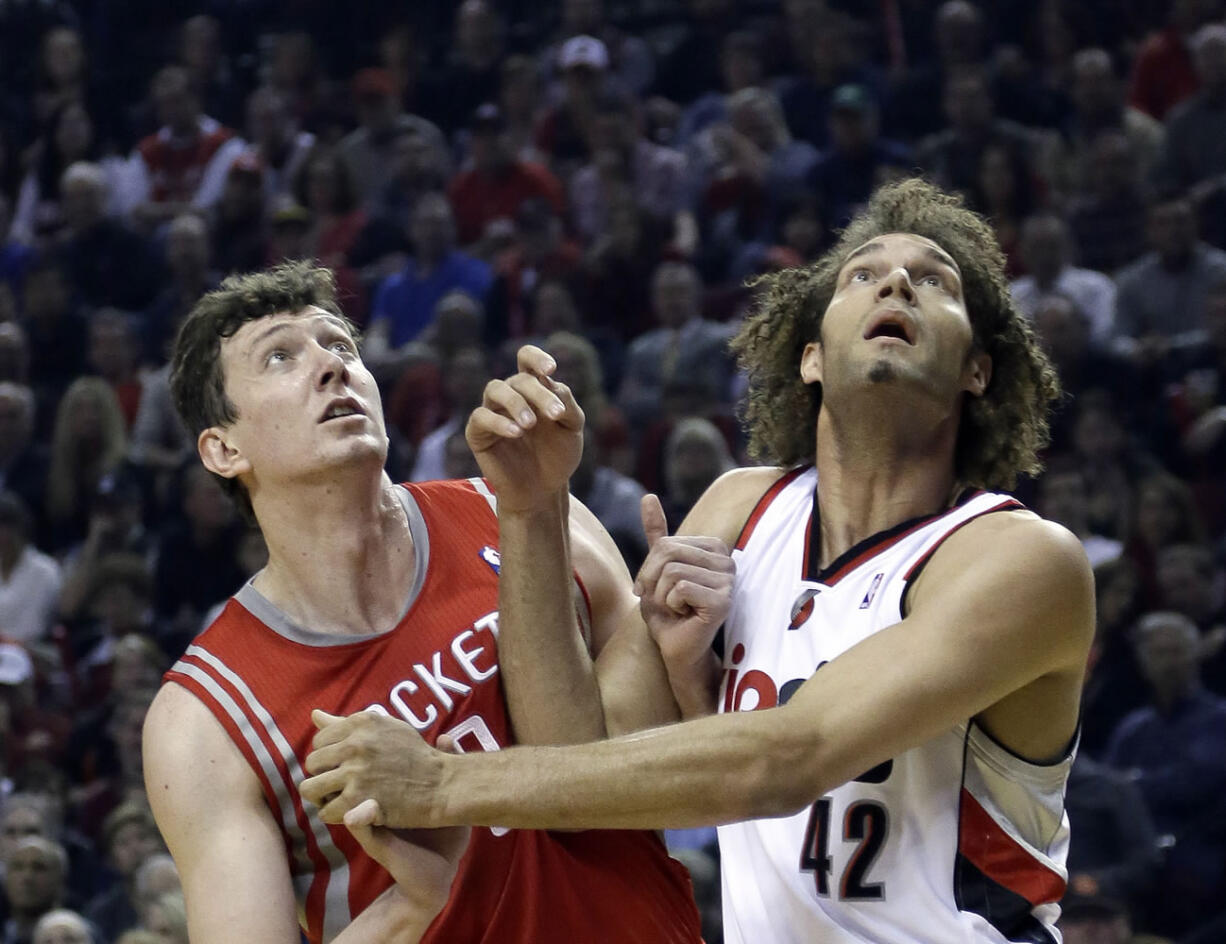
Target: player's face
x=897 y=319
x=307 y=405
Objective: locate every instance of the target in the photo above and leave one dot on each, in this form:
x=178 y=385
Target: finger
x=365 y=814
x=543 y=401
x=322 y=719
x=319 y=788
x=691 y=596
x=335 y=809
x=501 y=397
x=702 y=554
x=531 y=359
x=485 y=428
x=323 y=758
x=447 y=744
x=655 y=525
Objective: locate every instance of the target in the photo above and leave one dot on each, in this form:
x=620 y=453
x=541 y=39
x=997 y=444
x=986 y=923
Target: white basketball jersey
x=957 y=840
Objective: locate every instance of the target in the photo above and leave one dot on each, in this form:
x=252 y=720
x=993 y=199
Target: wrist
x=544 y=507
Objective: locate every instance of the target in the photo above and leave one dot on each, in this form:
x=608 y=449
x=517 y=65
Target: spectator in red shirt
x=114 y=354
x=1163 y=74
x=183 y=165
x=497 y=182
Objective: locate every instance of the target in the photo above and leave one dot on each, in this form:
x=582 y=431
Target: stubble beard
x=882 y=371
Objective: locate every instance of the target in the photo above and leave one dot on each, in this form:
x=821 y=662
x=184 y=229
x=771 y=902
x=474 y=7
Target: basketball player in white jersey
x=902 y=664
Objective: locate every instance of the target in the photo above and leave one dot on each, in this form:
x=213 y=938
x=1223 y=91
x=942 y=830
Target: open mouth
x=340 y=409
x=891 y=324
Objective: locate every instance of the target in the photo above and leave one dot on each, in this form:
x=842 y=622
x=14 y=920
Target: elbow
x=784 y=777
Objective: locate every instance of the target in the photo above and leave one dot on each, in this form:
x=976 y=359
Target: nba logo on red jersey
x=491 y=556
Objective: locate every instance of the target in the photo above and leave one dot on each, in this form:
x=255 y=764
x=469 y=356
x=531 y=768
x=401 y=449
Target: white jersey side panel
x=956 y=840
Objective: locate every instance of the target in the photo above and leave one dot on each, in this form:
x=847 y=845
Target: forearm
x=695 y=685
x=700 y=773
x=393 y=916
x=547 y=673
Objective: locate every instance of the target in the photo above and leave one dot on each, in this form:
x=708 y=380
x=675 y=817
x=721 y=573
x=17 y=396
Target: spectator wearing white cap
x=630 y=58
x=566 y=129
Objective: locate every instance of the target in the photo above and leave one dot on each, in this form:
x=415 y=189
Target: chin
x=882 y=371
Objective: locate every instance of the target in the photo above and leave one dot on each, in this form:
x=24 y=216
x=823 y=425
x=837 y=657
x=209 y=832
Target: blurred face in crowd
x=14 y=351
x=1062 y=329
x=755 y=119
x=1186 y=581
x=1098 y=435
x=1062 y=498
x=1168 y=651
x=201 y=46
x=412 y=158
x=268 y=121
x=959 y=32
x=1114 y=165
x=555 y=309
x=83 y=201
x=293 y=60
x=740 y=67
x=174 y=102
x=1158 y=514
x=205 y=502
x=187 y=247
x=1210 y=59
x=433 y=227
x=853 y=129
x=18 y=823
x=674 y=294
x=1095 y=90
x=465 y=378
x=16 y=419
x=376 y=111
x=47 y=294
x=63 y=56
x=62 y=928
x=458 y=460
x=802 y=231
x=134 y=842
x=323 y=188
x=996 y=177
x=1045 y=247
x=1172 y=230
x=968 y=106
x=112 y=348
x=491 y=148
x=478 y=32
x=614 y=130
x=457 y=322
x=33 y=877
x=74 y=133
x=137 y=663
x=518 y=94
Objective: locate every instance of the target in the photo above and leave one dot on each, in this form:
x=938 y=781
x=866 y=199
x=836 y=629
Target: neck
x=878 y=470
x=345 y=566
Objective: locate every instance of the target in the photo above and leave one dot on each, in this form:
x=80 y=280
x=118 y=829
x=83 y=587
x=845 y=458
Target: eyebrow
x=280 y=326
x=936 y=255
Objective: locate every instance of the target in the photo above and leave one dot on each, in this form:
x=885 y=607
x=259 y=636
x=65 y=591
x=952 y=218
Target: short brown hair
x=1001 y=432
x=197 y=383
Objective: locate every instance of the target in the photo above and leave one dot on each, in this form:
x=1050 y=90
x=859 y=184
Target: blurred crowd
x=605 y=179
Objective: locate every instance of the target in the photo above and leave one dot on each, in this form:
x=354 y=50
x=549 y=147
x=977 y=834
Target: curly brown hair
x=197 y=383
x=1001 y=432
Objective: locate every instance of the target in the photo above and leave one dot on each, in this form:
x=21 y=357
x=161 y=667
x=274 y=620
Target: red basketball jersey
x=438 y=670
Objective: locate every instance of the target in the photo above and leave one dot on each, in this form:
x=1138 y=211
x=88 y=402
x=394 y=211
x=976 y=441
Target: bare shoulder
x=190 y=762
x=1037 y=565
x=726 y=505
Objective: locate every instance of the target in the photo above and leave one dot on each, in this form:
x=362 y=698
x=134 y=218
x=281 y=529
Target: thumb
x=366 y=813
x=655 y=525
x=322 y=719
x=447 y=744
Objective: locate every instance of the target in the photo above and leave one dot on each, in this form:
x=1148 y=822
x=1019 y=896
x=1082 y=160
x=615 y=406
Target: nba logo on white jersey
x=872 y=592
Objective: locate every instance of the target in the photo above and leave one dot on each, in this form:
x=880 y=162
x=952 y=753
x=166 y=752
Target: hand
x=685 y=588
x=527 y=435
x=423 y=862
x=377 y=759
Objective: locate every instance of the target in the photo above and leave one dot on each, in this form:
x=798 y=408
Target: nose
x=332 y=368
x=897 y=282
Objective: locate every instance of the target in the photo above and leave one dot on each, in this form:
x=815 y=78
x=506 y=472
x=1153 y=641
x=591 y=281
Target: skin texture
x=885 y=440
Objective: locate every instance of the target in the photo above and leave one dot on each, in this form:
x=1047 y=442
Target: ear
x=811 y=363
x=219 y=454
x=978 y=373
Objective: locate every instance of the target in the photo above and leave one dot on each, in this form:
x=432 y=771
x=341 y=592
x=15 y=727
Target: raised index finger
x=531 y=359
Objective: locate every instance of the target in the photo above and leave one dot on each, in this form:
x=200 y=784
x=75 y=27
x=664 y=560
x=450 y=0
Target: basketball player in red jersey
x=904 y=651
x=387 y=599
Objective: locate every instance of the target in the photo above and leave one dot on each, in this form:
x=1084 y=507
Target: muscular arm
x=229 y=852
x=999 y=633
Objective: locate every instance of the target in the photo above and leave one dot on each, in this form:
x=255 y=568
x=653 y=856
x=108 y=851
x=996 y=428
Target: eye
x=860 y=275
x=341 y=347
x=276 y=356
x=933 y=280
